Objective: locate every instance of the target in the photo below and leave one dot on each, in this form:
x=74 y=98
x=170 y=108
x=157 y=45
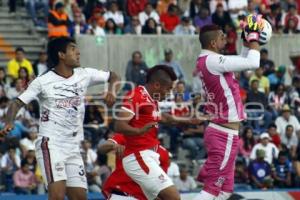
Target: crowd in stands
x=269 y=152
x=179 y=17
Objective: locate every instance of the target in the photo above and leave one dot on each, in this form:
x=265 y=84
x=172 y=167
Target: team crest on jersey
x=162 y=178
x=220 y=181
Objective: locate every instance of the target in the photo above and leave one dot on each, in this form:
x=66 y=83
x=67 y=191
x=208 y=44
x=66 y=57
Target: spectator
x=24 y=76
x=231 y=37
x=173 y=170
x=257 y=108
x=266 y=63
x=290 y=140
x=293 y=95
x=277 y=99
x=3 y=106
x=275 y=137
x=180 y=89
x=33 y=6
x=277 y=77
x=97 y=15
x=134 y=7
x=274 y=17
x=286 y=118
x=28 y=143
x=263 y=81
x=12 y=6
x=221 y=17
x=174 y=64
x=134 y=27
x=163 y=6
x=111 y=28
x=185 y=27
x=195 y=7
x=136 y=69
x=19 y=61
x=31 y=160
x=283 y=171
x=40 y=65
x=3 y=82
x=213 y=5
x=241 y=176
x=14 y=92
x=291 y=19
x=270 y=150
x=290 y=28
x=202 y=19
x=101 y=169
x=58 y=21
x=150 y=27
x=185 y=183
x=91 y=155
x=260 y=171
x=235 y=6
x=24 y=180
x=170 y=19
x=149 y=12
x=246 y=144
x=79 y=26
x=10 y=163
x=192 y=138
x=115 y=14
x=95 y=29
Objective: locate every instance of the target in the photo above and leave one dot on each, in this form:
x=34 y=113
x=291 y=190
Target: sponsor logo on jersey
x=68 y=102
x=220 y=181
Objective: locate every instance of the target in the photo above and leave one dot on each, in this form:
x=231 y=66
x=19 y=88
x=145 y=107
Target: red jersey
x=120 y=181
x=145 y=110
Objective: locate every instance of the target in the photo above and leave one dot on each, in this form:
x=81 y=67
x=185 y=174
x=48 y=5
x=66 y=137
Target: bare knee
x=57 y=190
x=169 y=193
x=56 y=195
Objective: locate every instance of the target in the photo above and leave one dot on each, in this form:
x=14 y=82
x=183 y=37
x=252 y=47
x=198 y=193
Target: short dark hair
x=136 y=52
x=255 y=80
x=24 y=162
x=160 y=73
x=264 y=51
x=289 y=126
x=55 y=46
x=206 y=36
x=273 y=125
x=180 y=82
x=20 y=49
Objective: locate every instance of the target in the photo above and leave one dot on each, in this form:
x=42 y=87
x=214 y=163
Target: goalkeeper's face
x=220 y=41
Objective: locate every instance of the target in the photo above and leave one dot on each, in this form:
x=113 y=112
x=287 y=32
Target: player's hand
x=252 y=29
x=119 y=149
x=109 y=99
x=147 y=127
x=7 y=128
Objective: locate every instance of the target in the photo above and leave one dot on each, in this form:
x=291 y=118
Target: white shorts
x=60 y=162
x=119 y=197
x=144 y=169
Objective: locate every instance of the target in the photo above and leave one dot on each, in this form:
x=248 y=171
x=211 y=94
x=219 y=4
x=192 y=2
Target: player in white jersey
x=61 y=92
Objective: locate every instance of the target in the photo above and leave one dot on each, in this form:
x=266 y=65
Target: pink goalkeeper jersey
x=216 y=73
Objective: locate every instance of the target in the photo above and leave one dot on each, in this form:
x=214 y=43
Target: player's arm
x=170 y=119
x=122 y=124
x=113 y=88
x=26 y=97
x=111 y=145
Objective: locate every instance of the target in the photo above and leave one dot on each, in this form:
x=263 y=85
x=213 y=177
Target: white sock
x=223 y=196
x=204 y=196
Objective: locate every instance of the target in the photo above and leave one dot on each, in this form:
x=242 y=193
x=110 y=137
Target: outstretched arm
x=12 y=111
x=113 y=88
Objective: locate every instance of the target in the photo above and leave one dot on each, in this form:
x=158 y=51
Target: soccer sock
x=223 y=196
x=204 y=196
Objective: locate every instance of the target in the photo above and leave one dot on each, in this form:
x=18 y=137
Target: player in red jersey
x=138 y=121
x=119 y=185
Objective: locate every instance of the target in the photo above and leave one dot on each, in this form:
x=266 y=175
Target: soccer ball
x=266 y=33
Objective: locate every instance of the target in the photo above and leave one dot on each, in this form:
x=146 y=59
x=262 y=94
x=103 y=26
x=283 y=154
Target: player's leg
x=169 y=193
x=51 y=162
x=219 y=143
x=144 y=169
x=76 y=177
x=76 y=193
x=228 y=172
